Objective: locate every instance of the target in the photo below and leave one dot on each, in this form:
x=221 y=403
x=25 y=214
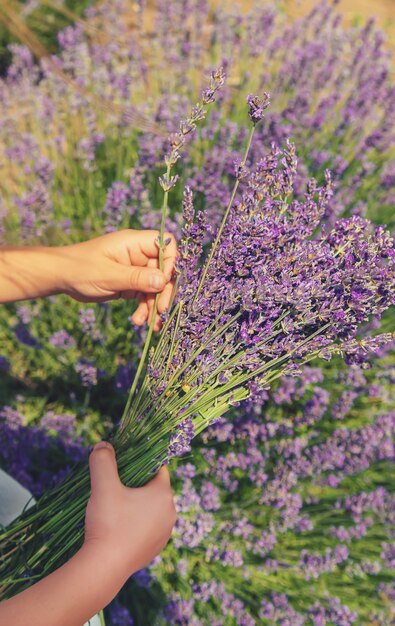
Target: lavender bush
x=290 y=518
x=75 y=168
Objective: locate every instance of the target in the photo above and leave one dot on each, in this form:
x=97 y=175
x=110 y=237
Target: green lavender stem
x=155 y=308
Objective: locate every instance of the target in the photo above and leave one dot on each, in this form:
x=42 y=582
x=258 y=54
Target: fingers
x=103 y=469
x=146 y=280
x=165 y=297
x=169 y=256
x=144 y=310
x=125 y=280
x=144 y=276
x=147 y=240
x=141 y=313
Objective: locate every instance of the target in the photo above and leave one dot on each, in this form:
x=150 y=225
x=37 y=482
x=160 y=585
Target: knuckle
x=135 y=278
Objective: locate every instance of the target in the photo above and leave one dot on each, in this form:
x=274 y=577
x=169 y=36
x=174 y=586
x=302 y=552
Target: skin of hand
x=132 y=525
x=123 y=264
x=124 y=530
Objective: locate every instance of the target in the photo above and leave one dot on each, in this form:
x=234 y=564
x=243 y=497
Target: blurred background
x=47 y=17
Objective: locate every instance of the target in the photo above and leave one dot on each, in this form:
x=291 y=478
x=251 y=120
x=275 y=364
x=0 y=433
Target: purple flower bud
x=257 y=107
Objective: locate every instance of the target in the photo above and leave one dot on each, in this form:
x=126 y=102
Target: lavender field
x=283 y=471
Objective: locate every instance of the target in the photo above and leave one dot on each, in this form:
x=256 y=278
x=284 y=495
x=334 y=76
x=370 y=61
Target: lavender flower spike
x=257 y=106
x=180 y=440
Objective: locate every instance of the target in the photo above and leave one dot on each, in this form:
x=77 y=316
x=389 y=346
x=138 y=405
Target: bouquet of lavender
x=274 y=290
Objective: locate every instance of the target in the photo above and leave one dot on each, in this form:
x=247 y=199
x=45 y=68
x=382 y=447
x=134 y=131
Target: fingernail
x=156 y=281
x=102 y=444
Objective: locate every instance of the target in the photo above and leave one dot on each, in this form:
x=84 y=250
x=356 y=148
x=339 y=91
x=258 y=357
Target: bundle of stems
x=269 y=296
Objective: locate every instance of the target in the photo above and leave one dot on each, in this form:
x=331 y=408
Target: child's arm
x=124 y=530
x=123 y=264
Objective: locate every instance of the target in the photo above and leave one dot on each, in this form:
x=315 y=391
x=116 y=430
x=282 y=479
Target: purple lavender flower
x=265 y=543
x=257 y=107
x=334 y=613
x=233 y=558
x=279 y=611
x=25 y=313
x=143 y=578
x=88 y=373
x=179 y=611
x=89 y=324
x=70 y=36
x=191 y=533
x=186 y=471
x=87 y=150
x=116 y=206
x=4 y=364
x=313 y=564
x=44 y=169
x=388 y=554
x=87 y=319
x=120 y=615
x=342 y=407
x=180 y=440
x=35 y=210
x=22 y=62
x=62 y=339
x=315 y=408
x=210 y=496
x=38 y=457
x=217 y=80
x=12 y=418
x=124 y=377
x=388 y=590
x=64 y=425
x=22 y=333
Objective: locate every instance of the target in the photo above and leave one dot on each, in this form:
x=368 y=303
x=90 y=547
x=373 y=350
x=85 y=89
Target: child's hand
x=123 y=264
x=124 y=530
x=129 y=527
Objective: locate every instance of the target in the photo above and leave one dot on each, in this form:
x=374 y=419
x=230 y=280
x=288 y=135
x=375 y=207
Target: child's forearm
x=34 y=272
x=71 y=595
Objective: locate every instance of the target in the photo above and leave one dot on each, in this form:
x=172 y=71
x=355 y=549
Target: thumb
x=103 y=469
x=144 y=279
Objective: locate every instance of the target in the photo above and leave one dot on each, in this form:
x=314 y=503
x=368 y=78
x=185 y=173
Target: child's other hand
x=128 y=527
